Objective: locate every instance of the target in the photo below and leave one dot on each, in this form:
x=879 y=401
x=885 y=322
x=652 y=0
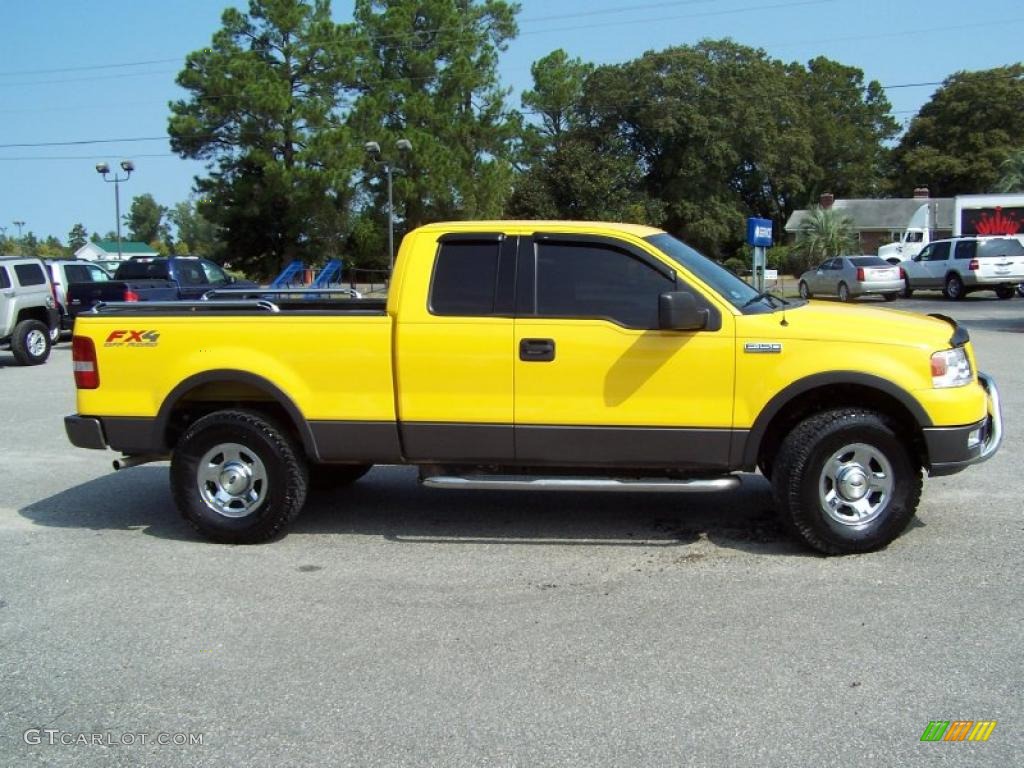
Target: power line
x=87 y=67
x=82 y=142
x=88 y=157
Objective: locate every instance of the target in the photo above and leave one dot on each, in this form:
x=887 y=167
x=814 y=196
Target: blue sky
x=894 y=41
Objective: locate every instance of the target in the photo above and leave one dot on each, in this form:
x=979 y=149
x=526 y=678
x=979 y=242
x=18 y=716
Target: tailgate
x=1008 y=268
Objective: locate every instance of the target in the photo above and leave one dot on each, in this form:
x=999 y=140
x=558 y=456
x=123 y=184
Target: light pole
x=404 y=146
x=103 y=169
x=19 y=225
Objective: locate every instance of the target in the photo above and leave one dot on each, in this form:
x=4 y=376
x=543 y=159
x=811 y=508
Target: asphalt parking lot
x=399 y=626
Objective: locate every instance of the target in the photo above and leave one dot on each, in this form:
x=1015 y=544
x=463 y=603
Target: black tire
x=1005 y=291
x=805 y=292
x=272 y=477
x=907 y=291
x=954 y=288
x=890 y=296
x=30 y=342
x=843 y=292
x=325 y=477
x=822 y=517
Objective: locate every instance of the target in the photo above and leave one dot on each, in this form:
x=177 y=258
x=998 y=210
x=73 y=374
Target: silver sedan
x=847 y=277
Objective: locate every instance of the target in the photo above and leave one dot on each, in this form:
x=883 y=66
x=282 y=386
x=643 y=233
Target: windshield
x=716 y=277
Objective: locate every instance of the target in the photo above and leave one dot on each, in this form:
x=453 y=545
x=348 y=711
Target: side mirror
x=916 y=257
x=678 y=311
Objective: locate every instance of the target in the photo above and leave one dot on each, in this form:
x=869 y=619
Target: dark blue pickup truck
x=157 y=279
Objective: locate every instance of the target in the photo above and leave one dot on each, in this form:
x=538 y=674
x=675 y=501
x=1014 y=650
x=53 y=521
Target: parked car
x=848 y=277
x=28 y=309
x=154 y=279
x=64 y=272
x=960 y=265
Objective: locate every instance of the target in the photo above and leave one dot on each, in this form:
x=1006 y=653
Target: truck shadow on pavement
x=388 y=503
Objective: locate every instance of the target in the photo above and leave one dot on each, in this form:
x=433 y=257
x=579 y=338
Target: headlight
x=951 y=368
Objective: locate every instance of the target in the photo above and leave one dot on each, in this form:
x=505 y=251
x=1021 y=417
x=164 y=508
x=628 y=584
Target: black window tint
x=77 y=273
x=141 y=270
x=191 y=273
x=941 y=252
x=465 y=278
x=869 y=261
x=1006 y=246
x=594 y=281
x=965 y=249
x=29 y=274
x=5 y=281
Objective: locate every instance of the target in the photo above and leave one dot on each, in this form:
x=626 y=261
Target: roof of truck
x=505 y=225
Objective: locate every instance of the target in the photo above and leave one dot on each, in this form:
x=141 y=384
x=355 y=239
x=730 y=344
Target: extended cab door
x=453 y=353
x=596 y=381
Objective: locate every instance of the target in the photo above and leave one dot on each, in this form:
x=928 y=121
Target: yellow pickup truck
x=538 y=355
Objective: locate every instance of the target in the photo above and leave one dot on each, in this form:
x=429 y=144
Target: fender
x=817 y=381
x=230 y=376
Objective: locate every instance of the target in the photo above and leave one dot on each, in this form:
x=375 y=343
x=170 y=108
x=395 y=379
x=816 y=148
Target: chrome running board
x=533 y=483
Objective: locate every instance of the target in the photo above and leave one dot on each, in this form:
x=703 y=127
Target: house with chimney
x=881 y=221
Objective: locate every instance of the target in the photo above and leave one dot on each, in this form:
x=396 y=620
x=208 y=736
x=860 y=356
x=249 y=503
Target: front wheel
x=844 y=292
x=845 y=481
x=805 y=292
x=238 y=477
x=954 y=287
x=30 y=342
x=1005 y=291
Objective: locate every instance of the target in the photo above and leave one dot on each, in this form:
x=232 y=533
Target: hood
x=827 y=321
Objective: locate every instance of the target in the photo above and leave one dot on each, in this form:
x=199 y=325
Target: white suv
x=28 y=310
x=960 y=265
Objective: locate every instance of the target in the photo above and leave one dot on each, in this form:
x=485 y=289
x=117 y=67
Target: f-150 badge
x=762 y=347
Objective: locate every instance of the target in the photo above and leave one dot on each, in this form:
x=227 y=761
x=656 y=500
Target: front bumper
x=953 y=449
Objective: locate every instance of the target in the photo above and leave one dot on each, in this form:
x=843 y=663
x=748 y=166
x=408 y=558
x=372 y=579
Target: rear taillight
x=860 y=274
x=130 y=295
x=903 y=274
x=973 y=266
x=83 y=362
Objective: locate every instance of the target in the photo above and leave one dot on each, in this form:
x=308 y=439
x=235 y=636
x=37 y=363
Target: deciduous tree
x=962 y=135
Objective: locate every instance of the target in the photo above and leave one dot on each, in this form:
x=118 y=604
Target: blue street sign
x=759 y=232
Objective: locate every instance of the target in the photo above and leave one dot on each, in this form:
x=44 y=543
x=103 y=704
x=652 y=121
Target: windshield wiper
x=765 y=295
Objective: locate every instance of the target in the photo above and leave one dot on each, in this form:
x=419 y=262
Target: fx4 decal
x=132 y=339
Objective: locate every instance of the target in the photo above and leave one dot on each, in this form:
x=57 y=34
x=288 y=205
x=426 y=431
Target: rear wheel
x=30 y=342
x=1005 y=291
x=805 y=292
x=844 y=292
x=907 y=291
x=845 y=481
x=238 y=477
x=954 y=287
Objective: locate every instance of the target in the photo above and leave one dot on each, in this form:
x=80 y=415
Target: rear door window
x=29 y=274
x=465 y=278
x=965 y=249
x=5 y=280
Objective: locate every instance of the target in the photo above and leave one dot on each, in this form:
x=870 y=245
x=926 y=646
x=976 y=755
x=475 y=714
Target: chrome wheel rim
x=35 y=342
x=953 y=288
x=55 y=334
x=804 y=292
x=844 y=293
x=232 y=480
x=856 y=485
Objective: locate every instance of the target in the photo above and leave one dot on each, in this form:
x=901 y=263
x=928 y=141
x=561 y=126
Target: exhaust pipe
x=126 y=462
